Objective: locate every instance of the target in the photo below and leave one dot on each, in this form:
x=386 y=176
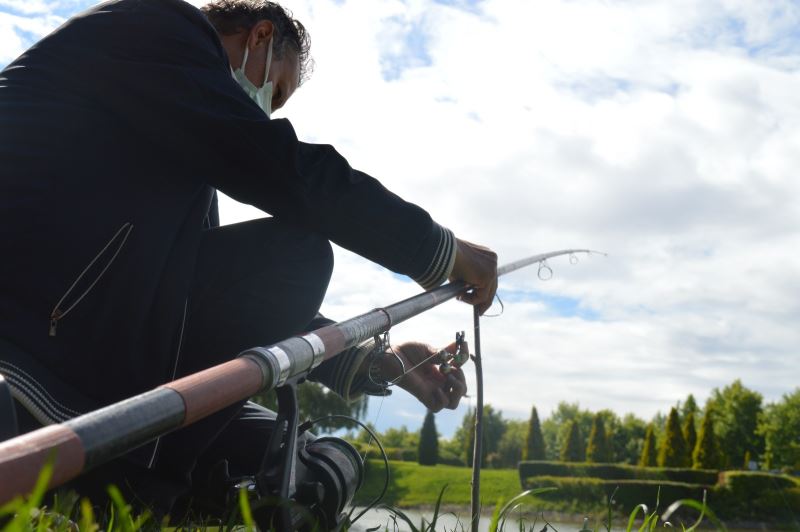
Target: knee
x=326 y=256
x=321 y=254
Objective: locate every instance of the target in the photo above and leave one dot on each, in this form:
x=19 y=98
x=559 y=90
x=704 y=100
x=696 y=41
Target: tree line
x=735 y=429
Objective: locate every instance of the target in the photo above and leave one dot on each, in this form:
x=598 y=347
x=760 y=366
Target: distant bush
x=371 y=451
x=537 y=468
x=739 y=494
x=627 y=493
x=757 y=496
x=447 y=457
x=755 y=481
x=409 y=454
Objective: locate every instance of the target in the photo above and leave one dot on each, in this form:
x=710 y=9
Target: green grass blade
x=503 y=520
x=432 y=526
x=634 y=513
x=513 y=501
x=494 y=523
x=88 y=523
x=247 y=514
x=397 y=513
x=28 y=508
x=704 y=510
x=123 y=510
x=11 y=507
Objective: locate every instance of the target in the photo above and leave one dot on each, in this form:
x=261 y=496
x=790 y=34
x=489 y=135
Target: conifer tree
x=534 y=441
x=689 y=407
x=573 y=445
x=493 y=428
x=649 y=455
x=689 y=433
x=672 y=452
x=599 y=449
x=706 y=452
x=428 y=441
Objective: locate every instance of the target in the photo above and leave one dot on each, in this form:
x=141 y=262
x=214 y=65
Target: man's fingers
x=437 y=400
x=457 y=390
x=482 y=297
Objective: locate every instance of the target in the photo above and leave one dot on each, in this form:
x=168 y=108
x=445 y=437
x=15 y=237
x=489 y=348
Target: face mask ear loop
x=244 y=58
x=269 y=62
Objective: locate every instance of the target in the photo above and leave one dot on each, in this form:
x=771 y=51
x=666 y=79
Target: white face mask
x=261 y=95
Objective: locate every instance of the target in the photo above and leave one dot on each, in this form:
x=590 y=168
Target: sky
x=663 y=133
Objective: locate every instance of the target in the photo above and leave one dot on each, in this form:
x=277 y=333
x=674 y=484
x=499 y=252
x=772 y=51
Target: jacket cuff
x=341 y=374
x=441 y=264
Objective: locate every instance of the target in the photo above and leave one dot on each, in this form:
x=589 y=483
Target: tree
x=573 y=450
x=649 y=455
x=534 y=441
x=598 y=449
x=315 y=402
x=627 y=439
x=401 y=437
x=689 y=406
x=706 y=452
x=672 y=452
x=428 y=441
x=779 y=425
x=554 y=428
x=614 y=434
x=689 y=433
x=493 y=428
x=736 y=414
x=364 y=437
x=469 y=443
x=512 y=444
x=659 y=422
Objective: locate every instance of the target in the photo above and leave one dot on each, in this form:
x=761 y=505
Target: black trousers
x=255 y=283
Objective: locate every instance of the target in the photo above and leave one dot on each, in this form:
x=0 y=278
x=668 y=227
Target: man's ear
x=261 y=33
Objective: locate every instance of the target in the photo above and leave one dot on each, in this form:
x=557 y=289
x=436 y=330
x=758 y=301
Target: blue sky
x=665 y=133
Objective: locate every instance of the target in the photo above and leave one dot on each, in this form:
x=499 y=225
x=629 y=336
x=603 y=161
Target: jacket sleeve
x=341 y=373
x=160 y=69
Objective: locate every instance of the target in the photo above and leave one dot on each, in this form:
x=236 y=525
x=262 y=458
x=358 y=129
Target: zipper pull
x=54 y=317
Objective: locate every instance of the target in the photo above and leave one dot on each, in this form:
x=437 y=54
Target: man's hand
x=477 y=266
x=434 y=389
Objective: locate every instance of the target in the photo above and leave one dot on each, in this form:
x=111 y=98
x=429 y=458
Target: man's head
x=255 y=24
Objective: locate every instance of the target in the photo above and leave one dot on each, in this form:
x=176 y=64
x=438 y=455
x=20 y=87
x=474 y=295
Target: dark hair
x=232 y=16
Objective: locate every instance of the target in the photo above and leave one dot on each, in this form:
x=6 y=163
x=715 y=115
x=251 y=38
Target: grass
x=650 y=520
x=68 y=514
x=24 y=514
x=413 y=485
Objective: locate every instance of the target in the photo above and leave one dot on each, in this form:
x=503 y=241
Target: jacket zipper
x=174 y=372
x=58 y=313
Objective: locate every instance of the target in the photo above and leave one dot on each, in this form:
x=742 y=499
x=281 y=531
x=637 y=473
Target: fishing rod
x=96 y=437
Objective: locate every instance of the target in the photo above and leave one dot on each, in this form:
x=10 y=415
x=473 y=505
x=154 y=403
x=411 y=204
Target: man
x=115 y=131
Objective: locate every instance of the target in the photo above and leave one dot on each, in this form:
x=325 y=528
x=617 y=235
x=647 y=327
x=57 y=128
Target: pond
x=448 y=521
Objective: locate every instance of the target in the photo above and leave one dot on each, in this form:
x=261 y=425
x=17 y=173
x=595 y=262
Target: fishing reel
x=304 y=483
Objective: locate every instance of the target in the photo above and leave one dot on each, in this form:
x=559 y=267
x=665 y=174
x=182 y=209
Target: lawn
x=412 y=485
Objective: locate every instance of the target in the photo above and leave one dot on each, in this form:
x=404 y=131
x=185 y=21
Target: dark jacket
x=114 y=132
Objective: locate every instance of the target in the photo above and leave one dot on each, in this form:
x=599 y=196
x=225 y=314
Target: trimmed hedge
x=574 y=492
x=403 y=454
x=755 y=497
x=751 y=482
x=538 y=468
x=739 y=494
x=758 y=496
